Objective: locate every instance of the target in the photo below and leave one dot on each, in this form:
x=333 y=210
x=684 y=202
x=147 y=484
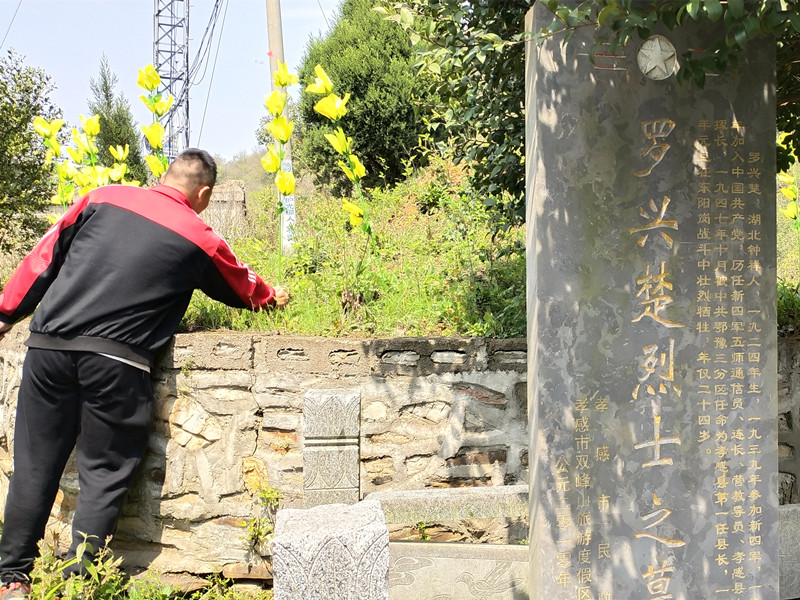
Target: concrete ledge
x=442 y=505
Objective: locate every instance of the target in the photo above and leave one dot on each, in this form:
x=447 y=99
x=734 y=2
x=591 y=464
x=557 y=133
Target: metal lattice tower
x=171 y=60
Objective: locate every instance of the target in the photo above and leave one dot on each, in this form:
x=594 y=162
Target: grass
x=437 y=267
x=105 y=580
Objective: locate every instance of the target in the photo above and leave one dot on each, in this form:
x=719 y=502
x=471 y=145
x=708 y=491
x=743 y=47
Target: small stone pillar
x=332 y=551
x=331 y=422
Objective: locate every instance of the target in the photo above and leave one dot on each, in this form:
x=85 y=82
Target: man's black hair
x=197 y=167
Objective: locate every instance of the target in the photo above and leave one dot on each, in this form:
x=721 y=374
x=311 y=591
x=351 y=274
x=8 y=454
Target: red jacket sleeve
x=26 y=287
x=236 y=284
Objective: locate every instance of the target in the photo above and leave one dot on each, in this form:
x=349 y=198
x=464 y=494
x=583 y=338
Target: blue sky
x=67 y=38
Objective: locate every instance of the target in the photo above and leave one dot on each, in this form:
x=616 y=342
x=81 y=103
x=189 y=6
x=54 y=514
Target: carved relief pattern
x=331 y=414
x=331 y=451
x=332 y=569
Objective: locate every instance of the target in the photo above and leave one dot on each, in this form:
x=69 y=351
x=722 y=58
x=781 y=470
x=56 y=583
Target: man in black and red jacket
x=112 y=280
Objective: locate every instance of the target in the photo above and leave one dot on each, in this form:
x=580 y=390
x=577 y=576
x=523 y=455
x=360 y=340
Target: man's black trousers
x=97 y=405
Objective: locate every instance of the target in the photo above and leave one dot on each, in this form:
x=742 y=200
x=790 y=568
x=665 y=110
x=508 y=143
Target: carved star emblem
x=657 y=57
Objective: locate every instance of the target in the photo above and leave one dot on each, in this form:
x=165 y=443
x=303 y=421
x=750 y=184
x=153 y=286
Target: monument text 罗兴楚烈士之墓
x=652 y=338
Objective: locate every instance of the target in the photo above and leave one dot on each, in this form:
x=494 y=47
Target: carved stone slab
x=333 y=551
x=331 y=421
x=430 y=571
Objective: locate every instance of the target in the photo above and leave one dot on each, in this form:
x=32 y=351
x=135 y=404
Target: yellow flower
x=282 y=77
x=271 y=161
x=156 y=165
x=355 y=212
x=790 y=212
x=148 y=78
x=154 y=134
x=339 y=141
x=162 y=106
x=66 y=171
x=83 y=142
x=332 y=107
x=275 y=103
x=118 y=152
x=281 y=129
x=357 y=171
x=54 y=145
x=76 y=154
x=117 y=172
x=91 y=126
x=358 y=168
x=83 y=178
x=46 y=128
x=322 y=84
x=285 y=183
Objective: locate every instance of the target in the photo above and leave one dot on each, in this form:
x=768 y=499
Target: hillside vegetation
x=436 y=267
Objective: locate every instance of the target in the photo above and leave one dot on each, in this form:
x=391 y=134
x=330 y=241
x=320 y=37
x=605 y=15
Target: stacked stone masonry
x=434 y=413
x=229 y=422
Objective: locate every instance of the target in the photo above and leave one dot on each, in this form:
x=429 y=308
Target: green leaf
x=693 y=8
x=713 y=9
x=752 y=27
x=380 y=9
x=406 y=17
x=736 y=8
x=435 y=68
x=740 y=35
x=607 y=14
x=414 y=38
x=794 y=19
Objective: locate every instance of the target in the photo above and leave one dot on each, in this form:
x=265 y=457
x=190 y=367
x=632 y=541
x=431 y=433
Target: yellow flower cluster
x=157 y=104
x=80 y=172
x=334 y=108
x=280 y=128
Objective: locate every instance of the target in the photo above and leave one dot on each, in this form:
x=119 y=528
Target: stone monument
x=651 y=314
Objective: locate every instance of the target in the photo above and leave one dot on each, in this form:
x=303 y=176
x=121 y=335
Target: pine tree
x=117 y=126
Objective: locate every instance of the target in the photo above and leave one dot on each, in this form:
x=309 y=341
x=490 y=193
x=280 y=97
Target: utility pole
x=275 y=40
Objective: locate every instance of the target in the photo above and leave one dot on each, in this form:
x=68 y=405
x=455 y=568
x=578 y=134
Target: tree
x=26 y=177
x=369 y=58
x=474 y=52
x=117 y=126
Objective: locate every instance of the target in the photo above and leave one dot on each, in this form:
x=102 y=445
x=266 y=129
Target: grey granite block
x=335 y=551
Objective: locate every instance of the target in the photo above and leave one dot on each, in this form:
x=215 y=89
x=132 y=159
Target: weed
x=422 y=531
x=186 y=368
x=261 y=526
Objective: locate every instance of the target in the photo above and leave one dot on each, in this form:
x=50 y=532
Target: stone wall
x=788 y=419
x=230 y=421
x=434 y=413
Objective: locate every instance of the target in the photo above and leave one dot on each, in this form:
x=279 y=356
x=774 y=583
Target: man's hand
x=4 y=327
x=281 y=297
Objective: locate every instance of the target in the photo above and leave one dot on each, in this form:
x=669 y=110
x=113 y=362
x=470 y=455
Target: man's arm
x=26 y=287
x=234 y=283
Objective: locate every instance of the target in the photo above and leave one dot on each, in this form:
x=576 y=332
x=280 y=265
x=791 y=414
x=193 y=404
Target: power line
x=213 y=70
x=323 y=14
x=10 y=24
